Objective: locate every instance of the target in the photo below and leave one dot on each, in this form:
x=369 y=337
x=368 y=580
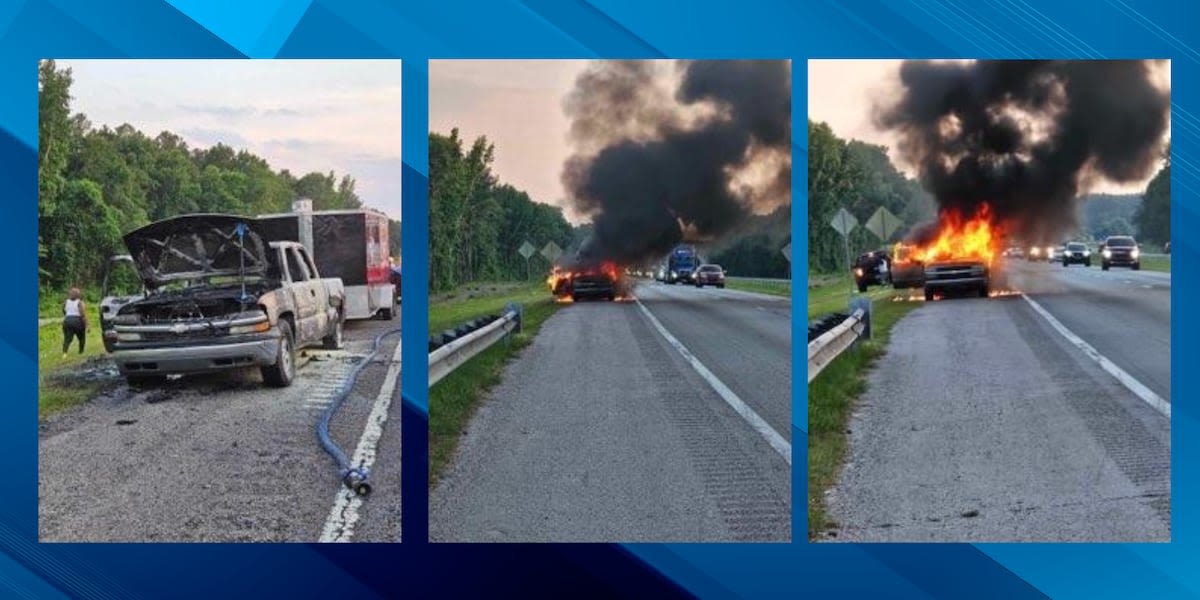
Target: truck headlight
x=1107 y=253
x=1134 y=253
x=858 y=272
x=1087 y=253
x=256 y=328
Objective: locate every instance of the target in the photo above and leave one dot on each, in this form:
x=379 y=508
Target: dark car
x=1076 y=253
x=710 y=275
x=872 y=268
x=1120 y=251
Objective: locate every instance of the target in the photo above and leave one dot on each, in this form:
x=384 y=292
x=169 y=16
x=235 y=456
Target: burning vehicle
x=586 y=281
x=216 y=296
x=954 y=254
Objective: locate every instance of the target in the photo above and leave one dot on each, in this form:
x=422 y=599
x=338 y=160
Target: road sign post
x=843 y=222
x=526 y=250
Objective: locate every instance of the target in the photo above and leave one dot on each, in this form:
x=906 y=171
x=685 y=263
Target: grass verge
x=454 y=400
x=56 y=389
x=832 y=394
x=784 y=290
x=1161 y=264
x=831 y=293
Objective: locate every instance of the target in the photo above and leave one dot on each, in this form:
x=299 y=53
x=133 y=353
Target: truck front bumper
x=196 y=359
x=956 y=283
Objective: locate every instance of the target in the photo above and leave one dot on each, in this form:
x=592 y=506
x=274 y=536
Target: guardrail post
x=863 y=303
x=520 y=310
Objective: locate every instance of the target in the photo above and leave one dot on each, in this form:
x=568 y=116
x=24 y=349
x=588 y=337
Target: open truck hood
x=196 y=246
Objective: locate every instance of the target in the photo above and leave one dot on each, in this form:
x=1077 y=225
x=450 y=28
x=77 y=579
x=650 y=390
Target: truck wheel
x=862 y=287
x=928 y=295
x=333 y=341
x=983 y=291
x=1103 y=266
x=1137 y=266
x=283 y=371
x=387 y=314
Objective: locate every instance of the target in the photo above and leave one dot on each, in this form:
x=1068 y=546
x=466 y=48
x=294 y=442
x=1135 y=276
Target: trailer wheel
x=387 y=314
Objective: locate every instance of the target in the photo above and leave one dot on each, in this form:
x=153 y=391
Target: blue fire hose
x=353 y=477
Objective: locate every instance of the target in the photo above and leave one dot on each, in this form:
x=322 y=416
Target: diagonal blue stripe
x=594 y=29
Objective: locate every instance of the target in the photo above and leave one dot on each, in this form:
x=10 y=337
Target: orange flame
x=958 y=238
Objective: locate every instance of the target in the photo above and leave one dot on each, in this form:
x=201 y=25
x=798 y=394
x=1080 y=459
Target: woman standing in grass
x=74 y=320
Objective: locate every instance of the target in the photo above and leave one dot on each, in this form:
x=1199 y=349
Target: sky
x=841 y=93
x=300 y=115
x=517 y=104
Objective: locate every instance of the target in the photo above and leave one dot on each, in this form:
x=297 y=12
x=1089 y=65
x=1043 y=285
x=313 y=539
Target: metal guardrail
x=832 y=343
x=454 y=353
x=763 y=281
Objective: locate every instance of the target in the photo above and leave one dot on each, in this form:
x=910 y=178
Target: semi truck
x=682 y=264
x=351 y=245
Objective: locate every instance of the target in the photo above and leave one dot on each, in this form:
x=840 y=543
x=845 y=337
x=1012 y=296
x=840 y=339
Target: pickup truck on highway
x=956 y=275
x=939 y=277
x=215 y=296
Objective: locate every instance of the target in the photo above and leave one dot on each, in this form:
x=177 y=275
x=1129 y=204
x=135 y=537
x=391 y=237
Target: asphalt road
x=983 y=423
x=219 y=458
x=601 y=431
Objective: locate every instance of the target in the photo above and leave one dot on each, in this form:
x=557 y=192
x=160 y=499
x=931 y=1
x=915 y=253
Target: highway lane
x=740 y=336
x=1124 y=314
x=218 y=457
x=983 y=423
x=601 y=432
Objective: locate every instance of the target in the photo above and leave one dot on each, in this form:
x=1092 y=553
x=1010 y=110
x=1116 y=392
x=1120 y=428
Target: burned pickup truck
x=216 y=296
x=939 y=275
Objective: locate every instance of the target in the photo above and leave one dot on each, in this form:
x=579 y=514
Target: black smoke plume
x=658 y=164
x=1027 y=137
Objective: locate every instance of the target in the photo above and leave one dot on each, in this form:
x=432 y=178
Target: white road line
x=339 y=527
x=1138 y=388
x=781 y=445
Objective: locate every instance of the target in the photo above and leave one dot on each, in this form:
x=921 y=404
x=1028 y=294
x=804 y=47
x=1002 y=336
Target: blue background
x=36 y=29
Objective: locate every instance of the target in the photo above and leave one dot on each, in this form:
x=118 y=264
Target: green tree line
x=859 y=177
x=1153 y=217
x=755 y=250
x=477 y=224
x=97 y=183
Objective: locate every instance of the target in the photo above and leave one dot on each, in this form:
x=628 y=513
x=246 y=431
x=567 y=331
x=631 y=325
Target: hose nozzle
x=356 y=480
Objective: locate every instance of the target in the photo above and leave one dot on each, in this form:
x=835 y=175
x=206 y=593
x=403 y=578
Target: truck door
x=307 y=296
x=325 y=313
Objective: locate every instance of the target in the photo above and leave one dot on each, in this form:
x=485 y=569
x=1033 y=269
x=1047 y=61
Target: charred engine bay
x=196 y=303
